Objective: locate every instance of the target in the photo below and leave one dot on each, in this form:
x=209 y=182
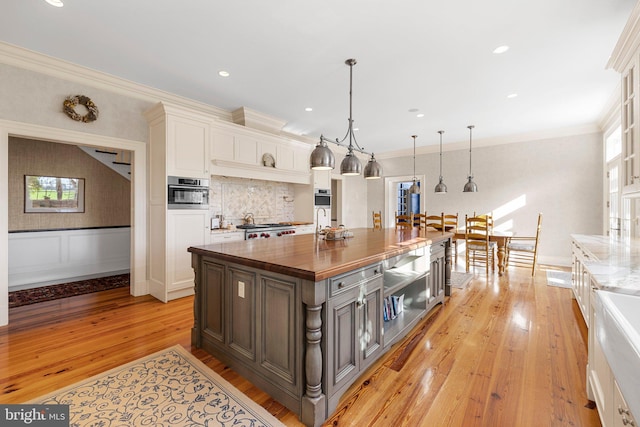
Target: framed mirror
x=53 y=194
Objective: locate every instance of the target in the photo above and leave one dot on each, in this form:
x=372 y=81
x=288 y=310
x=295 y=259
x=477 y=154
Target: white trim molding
x=138 y=259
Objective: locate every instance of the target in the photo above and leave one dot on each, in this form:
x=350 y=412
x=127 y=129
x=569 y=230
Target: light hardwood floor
x=507 y=352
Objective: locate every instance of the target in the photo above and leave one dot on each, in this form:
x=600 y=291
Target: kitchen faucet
x=319 y=228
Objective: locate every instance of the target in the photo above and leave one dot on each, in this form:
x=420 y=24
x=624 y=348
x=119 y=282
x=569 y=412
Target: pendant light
x=415 y=188
x=470 y=186
x=372 y=170
x=322 y=158
x=440 y=186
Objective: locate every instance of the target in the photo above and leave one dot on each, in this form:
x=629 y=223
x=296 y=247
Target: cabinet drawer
x=438 y=247
x=347 y=281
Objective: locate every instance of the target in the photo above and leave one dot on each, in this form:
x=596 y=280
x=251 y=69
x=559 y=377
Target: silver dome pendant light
x=440 y=186
x=415 y=188
x=470 y=186
x=323 y=159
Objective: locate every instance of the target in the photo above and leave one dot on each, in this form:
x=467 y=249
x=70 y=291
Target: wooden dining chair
x=451 y=225
x=479 y=249
x=435 y=222
x=404 y=221
x=419 y=220
x=522 y=251
x=377 y=220
x=489 y=217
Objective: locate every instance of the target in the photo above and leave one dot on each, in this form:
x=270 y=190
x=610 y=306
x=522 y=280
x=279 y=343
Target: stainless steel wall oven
x=322 y=198
x=187 y=193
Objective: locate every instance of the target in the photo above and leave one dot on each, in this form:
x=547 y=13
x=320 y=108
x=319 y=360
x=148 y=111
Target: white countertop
x=613 y=263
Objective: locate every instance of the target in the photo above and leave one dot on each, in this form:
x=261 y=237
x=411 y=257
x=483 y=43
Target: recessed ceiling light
x=223 y=73
x=420 y=115
x=501 y=49
x=308 y=109
x=56 y=3
x=512 y=95
x=413 y=110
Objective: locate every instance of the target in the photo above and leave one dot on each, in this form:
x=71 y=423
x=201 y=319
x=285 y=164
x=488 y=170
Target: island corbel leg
x=195 y=331
x=313 y=359
x=314 y=404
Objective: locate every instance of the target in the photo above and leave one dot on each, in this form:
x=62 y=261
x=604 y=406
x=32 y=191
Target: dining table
x=500 y=237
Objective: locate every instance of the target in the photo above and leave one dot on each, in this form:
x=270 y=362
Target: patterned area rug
x=64 y=290
x=460 y=280
x=561 y=279
x=167 y=388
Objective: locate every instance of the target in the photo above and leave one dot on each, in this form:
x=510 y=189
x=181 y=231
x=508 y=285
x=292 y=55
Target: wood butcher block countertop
x=310 y=258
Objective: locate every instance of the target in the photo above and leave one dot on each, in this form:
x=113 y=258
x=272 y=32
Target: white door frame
x=390 y=185
x=138 y=266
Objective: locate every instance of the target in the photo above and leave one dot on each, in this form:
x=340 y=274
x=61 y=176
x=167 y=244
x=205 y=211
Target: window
x=53 y=194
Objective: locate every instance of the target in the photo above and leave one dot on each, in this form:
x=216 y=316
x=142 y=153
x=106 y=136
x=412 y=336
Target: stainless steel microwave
x=187 y=193
x=322 y=198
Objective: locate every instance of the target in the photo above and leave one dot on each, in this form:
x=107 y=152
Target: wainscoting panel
x=42 y=258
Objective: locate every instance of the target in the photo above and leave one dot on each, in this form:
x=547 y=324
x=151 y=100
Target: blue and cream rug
x=167 y=388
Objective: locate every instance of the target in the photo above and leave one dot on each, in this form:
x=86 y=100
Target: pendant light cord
x=470 y=130
x=440 y=132
x=414 y=158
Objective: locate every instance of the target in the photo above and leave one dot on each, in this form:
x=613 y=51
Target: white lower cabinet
x=622 y=416
x=599 y=376
x=228 y=236
x=601 y=382
x=185 y=228
x=305 y=229
x=581 y=280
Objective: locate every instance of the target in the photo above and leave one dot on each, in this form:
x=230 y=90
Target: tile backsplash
x=268 y=201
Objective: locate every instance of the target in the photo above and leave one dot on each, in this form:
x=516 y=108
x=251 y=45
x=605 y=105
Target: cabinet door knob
x=341 y=285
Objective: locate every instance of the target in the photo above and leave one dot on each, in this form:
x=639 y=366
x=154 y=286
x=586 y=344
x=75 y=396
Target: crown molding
x=43 y=64
x=628 y=42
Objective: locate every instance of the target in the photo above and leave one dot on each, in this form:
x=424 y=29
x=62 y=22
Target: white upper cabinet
x=630 y=135
x=222 y=144
x=179 y=142
x=322 y=179
x=625 y=60
x=250 y=153
x=187 y=147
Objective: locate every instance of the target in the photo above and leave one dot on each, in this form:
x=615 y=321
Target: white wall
x=560 y=177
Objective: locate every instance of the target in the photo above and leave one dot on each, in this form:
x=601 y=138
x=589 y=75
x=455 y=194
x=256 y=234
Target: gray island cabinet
x=302 y=317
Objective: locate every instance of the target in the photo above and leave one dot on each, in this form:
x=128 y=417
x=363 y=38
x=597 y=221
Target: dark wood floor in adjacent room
x=507 y=352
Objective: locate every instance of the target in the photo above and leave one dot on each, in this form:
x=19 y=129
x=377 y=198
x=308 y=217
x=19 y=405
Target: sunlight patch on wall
x=509 y=207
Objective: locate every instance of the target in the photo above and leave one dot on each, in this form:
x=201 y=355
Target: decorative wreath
x=70 y=104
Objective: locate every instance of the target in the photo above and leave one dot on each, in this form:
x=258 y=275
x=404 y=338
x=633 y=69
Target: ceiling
x=413 y=57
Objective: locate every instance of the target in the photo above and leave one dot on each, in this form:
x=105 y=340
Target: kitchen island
x=301 y=317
